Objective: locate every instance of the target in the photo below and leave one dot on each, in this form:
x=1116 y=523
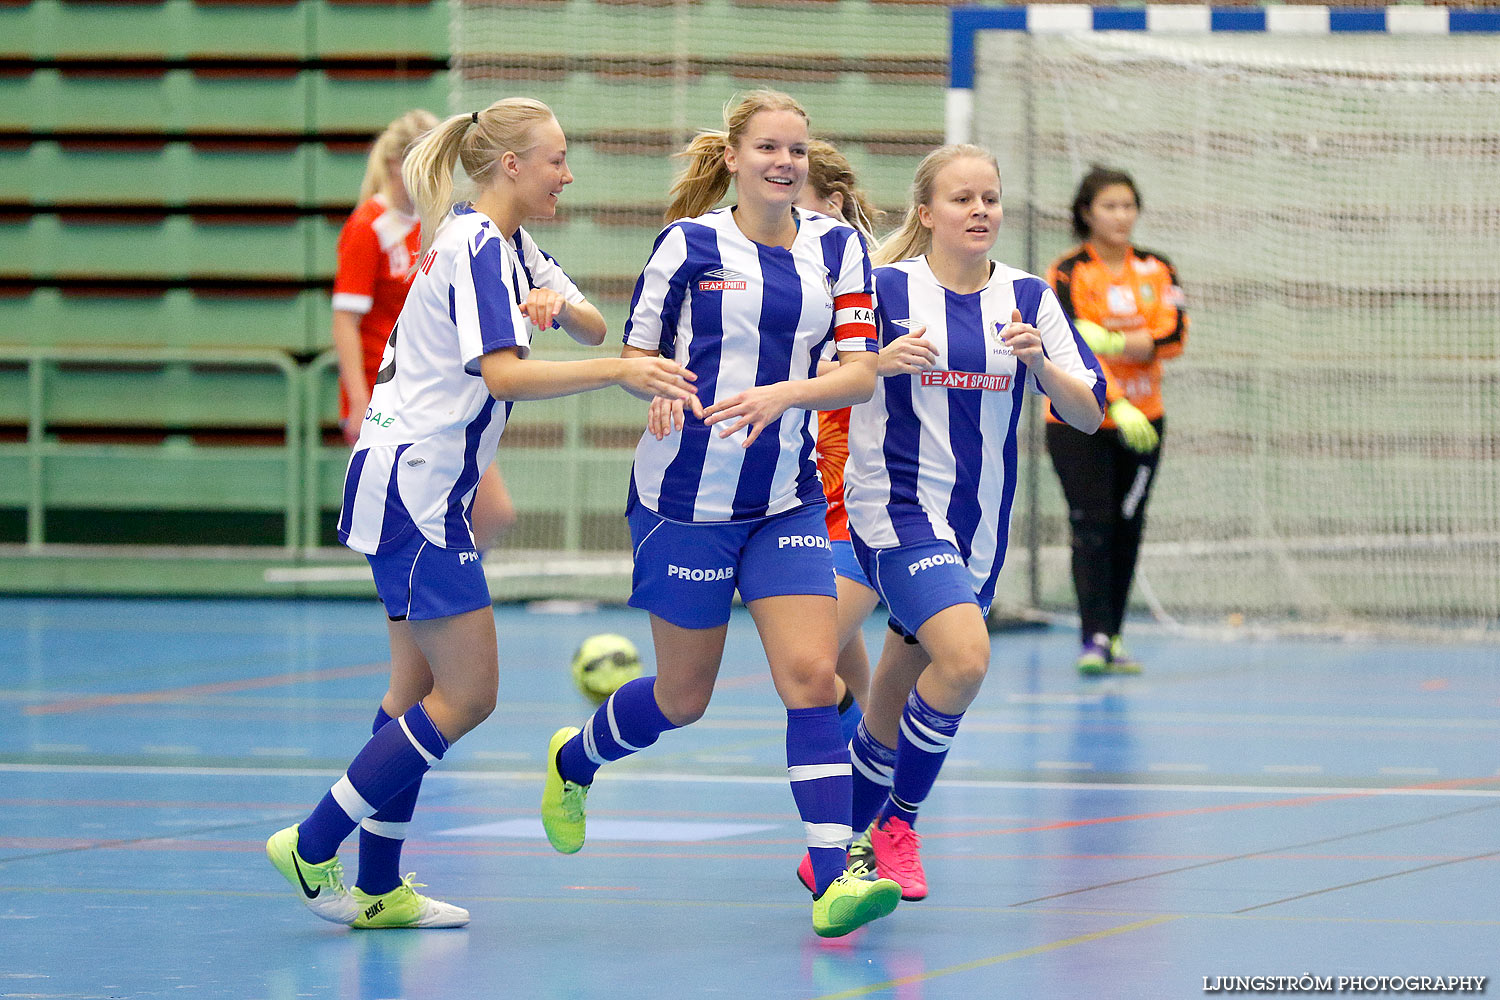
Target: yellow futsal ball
x=603 y=663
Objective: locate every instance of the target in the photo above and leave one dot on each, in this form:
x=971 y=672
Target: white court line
x=763 y=779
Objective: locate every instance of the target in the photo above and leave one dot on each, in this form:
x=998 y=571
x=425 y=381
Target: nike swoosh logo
x=310 y=892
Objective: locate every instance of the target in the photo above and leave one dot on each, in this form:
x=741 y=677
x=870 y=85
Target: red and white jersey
x=932 y=455
x=433 y=426
x=377 y=255
x=740 y=314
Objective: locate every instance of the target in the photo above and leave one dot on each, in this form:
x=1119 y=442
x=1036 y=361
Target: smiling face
x=1111 y=215
x=542 y=171
x=964 y=211
x=769 y=161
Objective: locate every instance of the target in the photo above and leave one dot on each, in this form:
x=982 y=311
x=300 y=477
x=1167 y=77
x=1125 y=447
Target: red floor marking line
x=1301 y=800
x=197 y=690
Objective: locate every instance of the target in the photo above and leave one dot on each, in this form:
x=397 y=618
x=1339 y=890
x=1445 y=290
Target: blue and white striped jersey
x=432 y=426
x=932 y=455
x=740 y=314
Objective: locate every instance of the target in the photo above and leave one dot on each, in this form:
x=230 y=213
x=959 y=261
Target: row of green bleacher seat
x=50 y=29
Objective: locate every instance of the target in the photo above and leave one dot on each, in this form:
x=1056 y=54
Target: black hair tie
x=474 y=117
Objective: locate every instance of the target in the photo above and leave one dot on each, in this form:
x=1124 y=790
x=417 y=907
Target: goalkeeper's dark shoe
x=1093 y=659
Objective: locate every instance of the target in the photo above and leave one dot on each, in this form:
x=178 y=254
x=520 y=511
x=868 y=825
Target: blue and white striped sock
x=394 y=757
x=874 y=763
x=630 y=720
x=382 y=835
x=926 y=735
x=817 y=761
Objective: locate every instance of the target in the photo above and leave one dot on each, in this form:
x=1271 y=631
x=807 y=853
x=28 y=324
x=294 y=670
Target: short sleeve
x=544 y=271
x=657 y=300
x=359 y=261
x=483 y=297
x=1064 y=347
x=853 y=299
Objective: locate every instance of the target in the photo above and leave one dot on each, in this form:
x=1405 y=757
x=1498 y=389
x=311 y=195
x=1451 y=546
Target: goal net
x=1330 y=204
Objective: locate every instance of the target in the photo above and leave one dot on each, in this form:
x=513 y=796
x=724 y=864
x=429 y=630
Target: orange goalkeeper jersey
x=833 y=452
x=1143 y=295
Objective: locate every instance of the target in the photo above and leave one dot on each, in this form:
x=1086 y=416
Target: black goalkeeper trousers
x=1107 y=487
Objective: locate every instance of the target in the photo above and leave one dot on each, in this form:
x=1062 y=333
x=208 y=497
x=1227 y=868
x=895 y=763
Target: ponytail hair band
x=474 y=117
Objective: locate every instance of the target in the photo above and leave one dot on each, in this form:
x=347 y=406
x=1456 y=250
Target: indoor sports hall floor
x=1253 y=809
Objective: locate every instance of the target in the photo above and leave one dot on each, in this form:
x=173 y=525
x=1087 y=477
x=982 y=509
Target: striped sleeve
x=853 y=299
x=544 y=270
x=657 y=300
x=483 y=302
x=1064 y=347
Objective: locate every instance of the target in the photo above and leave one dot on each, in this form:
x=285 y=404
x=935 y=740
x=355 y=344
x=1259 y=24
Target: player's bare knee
x=683 y=706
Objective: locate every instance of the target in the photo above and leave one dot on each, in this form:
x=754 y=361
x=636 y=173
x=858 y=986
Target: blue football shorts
x=419 y=580
x=846 y=563
x=687 y=573
x=917 y=581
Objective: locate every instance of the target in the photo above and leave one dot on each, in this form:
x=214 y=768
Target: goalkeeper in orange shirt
x=1126 y=303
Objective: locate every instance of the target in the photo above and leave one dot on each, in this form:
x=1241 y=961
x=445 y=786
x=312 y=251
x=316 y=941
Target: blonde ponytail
x=397 y=138
x=912 y=239
x=829 y=171
x=474 y=141
x=705 y=180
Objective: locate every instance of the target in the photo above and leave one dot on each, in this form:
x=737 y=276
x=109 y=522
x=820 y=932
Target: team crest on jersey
x=721 y=280
x=1000 y=347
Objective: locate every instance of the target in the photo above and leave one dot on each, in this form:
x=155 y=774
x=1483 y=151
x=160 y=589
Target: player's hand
x=1024 y=341
x=906 y=354
x=664 y=416
x=543 y=306
x=653 y=376
x=358 y=407
x=1105 y=343
x=756 y=408
x=1135 y=427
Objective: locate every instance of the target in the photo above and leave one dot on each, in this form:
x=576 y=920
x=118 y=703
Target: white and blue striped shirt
x=932 y=455
x=432 y=426
x=740 y=314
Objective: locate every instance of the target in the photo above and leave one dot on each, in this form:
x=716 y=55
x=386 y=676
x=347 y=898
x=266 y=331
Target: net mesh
x=630 y=83
x=1329 y=203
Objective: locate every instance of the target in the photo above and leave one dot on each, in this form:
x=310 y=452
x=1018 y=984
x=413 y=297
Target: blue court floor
x=1258 y=809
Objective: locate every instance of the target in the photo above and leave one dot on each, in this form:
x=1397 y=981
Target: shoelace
x=409 y=880
x=572 y=799
x=333 y=875
x=905 y=842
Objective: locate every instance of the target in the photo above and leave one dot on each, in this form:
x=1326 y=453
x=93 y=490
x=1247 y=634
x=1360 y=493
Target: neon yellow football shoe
x=562 y=801
x=404 y=906
x=320 y=886
x=849 y=903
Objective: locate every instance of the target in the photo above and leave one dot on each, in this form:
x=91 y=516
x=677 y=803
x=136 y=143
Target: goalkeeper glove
x=1100 y=340
x=1135 y=427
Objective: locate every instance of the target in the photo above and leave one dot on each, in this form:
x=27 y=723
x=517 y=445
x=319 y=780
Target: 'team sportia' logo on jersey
x=722 y=280
x=966 y=380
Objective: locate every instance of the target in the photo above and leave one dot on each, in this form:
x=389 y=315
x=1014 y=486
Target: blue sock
x=849 y=716
x=382 y=835
x=629 y=720
x=394 y=757
x=817 y=761
x=926 y=735
x=874 y=763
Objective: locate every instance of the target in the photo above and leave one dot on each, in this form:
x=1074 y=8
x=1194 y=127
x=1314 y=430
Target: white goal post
x=1325 y=181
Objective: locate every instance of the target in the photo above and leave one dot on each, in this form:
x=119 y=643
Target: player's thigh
x=411 y=676
x=799 y=635
x=687 y=665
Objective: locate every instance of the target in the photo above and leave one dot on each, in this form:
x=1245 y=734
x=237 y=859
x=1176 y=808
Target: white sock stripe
x=614 y=727
x=426 y=755
x=917 y=740
x=812 y=772
x=349 y=799
x=934 y=735
x=877 y=773
x=589 y=749
x=828 y=834
x=382 y=828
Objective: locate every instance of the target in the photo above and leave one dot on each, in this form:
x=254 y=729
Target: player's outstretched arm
x=509 y=376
